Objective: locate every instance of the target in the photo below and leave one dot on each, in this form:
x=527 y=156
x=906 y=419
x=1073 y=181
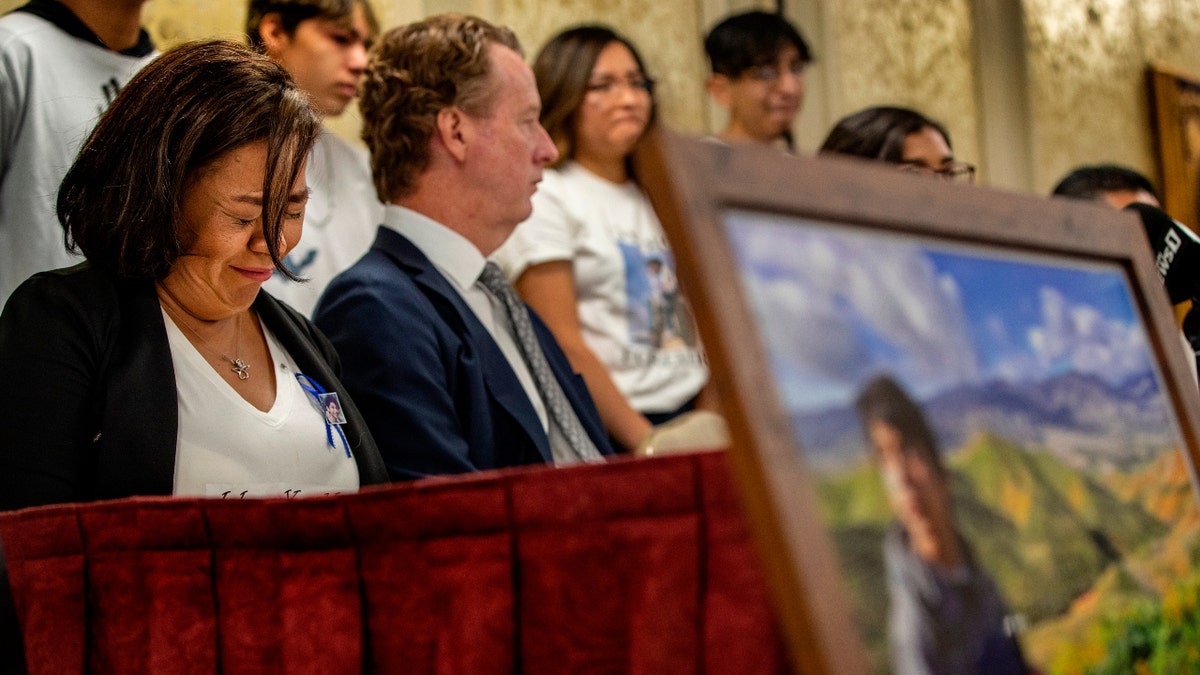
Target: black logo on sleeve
x=110 y=88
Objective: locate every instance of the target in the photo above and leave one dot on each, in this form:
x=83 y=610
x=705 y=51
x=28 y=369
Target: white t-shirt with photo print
x=630 y=309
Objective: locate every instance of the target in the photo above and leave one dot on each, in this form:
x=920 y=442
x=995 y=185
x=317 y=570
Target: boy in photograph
x=945 y=613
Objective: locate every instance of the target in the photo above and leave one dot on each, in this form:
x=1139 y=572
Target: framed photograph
x=1175 y=111
x=963 y=421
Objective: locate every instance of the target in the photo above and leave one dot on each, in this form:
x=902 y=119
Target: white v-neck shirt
x=228 y=448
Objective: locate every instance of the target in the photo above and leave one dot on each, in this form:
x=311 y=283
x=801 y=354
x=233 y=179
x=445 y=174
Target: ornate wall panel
x=1086 y=78
x=1087 y=65
x=666 y=32
x=1169 y=31
x=915 y=53
x=173 y=21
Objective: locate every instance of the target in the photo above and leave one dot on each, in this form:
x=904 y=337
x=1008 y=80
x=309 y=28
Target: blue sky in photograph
x=1009 y=292
x=837 y=304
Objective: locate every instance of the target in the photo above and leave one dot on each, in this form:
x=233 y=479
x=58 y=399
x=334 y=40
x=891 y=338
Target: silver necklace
x=239 y=366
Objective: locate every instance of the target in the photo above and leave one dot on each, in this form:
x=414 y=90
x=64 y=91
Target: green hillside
x=854 y=498
x=1117 y=628
x=1057 y=554
x=1069 y=643
x=1139 y=616
x=1164 y=488
x=861 y=553
x=1124 y=526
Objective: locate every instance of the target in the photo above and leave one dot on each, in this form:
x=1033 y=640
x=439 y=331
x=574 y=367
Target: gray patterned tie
x=581 y=448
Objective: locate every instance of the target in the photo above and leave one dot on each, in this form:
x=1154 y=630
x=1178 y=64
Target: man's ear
x=718 y=87
x=274 y=36
x=453 y=129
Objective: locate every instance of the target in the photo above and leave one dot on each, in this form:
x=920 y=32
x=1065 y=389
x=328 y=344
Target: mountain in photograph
x=1082 y=419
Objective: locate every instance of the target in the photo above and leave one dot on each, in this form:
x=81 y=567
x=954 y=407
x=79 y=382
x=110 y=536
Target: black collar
x=57 y=13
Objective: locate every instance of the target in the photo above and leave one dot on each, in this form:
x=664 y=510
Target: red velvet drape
x=627 y=567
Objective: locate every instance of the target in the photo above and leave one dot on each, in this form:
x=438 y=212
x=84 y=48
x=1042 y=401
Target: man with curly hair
x=452 y=372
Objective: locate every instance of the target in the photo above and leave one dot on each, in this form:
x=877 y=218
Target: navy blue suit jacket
x=436 y=391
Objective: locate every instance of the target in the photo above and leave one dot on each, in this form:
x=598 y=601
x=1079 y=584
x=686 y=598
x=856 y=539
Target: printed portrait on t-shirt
x=331 y=407
x=658 y=316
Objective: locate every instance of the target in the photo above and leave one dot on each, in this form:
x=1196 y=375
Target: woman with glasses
x=592 y=259
x=898 y=136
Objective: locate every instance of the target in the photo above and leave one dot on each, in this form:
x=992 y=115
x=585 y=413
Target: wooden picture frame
x=706 y=193
x=1175 y=112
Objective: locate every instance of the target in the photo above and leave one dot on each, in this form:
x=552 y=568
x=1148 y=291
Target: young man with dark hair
x=62 y=63
x=323 y=44
x=1115 y=185
x=757 y=61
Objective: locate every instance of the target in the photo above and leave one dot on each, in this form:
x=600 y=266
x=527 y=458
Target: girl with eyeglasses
x=592 y=259
x=898 y=136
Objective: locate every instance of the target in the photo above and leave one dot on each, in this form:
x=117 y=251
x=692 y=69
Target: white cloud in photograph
x=836 y=308
x=1076 y=336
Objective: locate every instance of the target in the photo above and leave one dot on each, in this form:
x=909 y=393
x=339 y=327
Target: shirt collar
x=454 y=256
x=66 y=20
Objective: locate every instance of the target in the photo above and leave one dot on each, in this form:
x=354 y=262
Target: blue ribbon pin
x=315 y=390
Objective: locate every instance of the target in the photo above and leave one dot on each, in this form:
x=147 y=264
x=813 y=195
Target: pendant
x=240 y=367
